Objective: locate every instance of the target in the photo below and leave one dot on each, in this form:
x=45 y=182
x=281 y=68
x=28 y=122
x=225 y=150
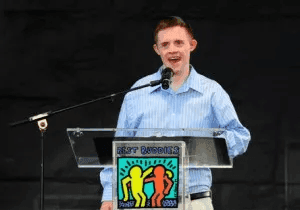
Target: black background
x=56 y=54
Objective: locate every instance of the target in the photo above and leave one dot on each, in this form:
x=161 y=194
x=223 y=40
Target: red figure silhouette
x=162 y=185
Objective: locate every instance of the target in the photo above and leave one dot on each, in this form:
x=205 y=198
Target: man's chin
x=174 y=66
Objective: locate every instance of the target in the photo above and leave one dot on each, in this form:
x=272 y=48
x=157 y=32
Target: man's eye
x=164 y=44
x=179 y=42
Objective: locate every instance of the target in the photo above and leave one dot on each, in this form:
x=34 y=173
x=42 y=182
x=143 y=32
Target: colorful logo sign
x=147 y=182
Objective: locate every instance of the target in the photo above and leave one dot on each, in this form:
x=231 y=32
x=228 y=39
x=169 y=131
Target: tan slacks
x=201 y=204
x=198 y=204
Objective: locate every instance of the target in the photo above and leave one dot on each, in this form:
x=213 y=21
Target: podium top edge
x=149 y=129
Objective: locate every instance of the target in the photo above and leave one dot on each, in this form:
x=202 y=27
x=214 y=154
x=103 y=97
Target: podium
x=150 y=166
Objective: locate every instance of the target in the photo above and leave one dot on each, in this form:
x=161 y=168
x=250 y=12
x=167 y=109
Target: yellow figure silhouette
x=136 y=177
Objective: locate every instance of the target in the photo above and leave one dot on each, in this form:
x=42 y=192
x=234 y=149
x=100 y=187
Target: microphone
x=166 y=75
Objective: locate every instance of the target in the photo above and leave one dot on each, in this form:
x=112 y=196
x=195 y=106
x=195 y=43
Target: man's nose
x=172 y=48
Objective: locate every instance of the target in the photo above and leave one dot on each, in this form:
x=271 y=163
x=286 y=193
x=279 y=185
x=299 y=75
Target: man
x=192 y=101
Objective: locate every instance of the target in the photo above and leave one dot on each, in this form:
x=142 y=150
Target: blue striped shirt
x=199 y=103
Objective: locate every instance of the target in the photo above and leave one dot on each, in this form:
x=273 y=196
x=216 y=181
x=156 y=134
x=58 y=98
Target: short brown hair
x=172 y=21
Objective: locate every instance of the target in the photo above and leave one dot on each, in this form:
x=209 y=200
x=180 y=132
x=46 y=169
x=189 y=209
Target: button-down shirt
x=199 y=103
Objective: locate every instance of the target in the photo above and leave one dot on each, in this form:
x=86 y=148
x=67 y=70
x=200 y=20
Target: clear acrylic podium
x=150 y=166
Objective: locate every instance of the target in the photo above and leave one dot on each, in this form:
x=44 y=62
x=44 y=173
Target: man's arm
x=125 y=118
x=237 y=136
x=106 y=174
x=122 y=120
x=105 y=178
x=106 y=205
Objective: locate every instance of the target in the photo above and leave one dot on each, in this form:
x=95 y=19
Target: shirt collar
x=194 y=81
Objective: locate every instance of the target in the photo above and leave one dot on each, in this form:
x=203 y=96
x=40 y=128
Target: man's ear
x=193 y=45
x=156 y=49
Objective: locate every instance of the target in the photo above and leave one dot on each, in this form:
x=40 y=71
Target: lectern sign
x=147 y=174
x=147 y=182
x=150 y=167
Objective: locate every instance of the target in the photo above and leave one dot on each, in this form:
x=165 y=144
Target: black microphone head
x=166 y=75
x=167 y=72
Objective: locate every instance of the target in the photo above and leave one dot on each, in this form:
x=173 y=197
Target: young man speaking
x=192 y=101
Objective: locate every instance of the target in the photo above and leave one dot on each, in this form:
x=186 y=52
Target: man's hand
x=107 y=205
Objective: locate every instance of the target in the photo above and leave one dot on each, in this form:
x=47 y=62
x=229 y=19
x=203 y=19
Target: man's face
x=174 y=46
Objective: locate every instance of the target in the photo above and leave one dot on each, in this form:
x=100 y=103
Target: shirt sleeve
x=122 y=120
x=105 y=179
x=236 y=135
x=107 y=173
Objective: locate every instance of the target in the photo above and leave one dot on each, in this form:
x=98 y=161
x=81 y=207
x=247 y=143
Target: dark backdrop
x=59 y=53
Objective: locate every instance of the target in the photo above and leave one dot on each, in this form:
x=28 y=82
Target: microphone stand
x=43 y=125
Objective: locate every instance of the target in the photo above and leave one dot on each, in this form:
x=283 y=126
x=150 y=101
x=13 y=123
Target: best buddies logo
x=145 y=181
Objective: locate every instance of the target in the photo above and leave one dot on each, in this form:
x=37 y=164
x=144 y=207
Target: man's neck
x=179 y=78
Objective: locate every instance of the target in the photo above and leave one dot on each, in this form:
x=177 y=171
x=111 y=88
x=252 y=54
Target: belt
x=200 y=195
x=195 y=196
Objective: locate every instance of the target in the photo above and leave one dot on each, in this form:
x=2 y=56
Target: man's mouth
x=174 y=59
